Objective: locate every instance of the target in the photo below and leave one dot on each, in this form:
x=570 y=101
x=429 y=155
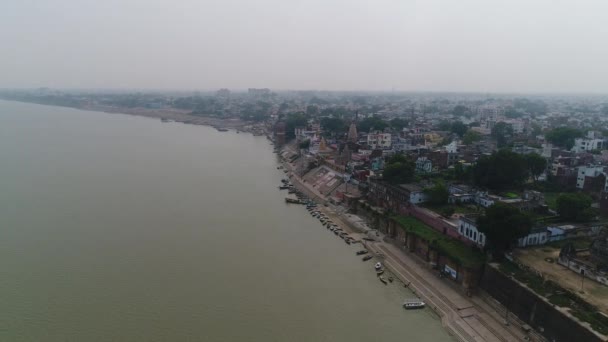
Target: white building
x=467 y=227
x=587 y=171
x=452 y=147
x=379 y=141
x=517 y=125
x=536 y=237
x=416 y=193
x=586 y=145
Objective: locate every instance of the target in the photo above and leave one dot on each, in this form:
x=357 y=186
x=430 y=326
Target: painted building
x=379 y=140
x=424 y=165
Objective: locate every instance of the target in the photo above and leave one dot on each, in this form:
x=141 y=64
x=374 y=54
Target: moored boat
x=383 y=280
x=361 y=252
x=415 y=303
x=378 y=266
x=367 y=257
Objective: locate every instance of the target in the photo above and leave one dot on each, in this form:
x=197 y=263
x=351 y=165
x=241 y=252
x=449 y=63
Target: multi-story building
x=587 y=174
x=379 y=141
x=586 y=145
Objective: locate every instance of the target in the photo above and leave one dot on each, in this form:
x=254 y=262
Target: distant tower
x=352 y=133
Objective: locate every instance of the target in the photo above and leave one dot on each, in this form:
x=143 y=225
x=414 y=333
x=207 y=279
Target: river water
x=122 y=228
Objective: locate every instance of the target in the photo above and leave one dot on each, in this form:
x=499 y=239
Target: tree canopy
x=470 y=137
x=292 y=121
x=574 y=207
x=459 y=128
x=563 y=136
x=536 y=164
x=398 y=123
x=333 y=125
x=460 y=110
x=373 y=122
x=502 y=131
x=437 y=194
x=503 y=225
x=502 y=170
x=398 y=170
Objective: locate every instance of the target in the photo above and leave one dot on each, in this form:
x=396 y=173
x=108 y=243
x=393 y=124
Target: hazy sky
x=428 y=45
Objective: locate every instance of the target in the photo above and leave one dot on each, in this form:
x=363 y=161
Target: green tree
x=503 y=225
x=398 y=170
x=563 y=136
x=536 y=164
x=460 y=110
x=398 y=123
x=444 y=125
x=459 y=128
x=438 y=194
x=574 y=207
x=513 y=113
x=333 y=125
x=470 y=137
x=292 y=121
x=502 y=132
x=372 y=123
x=312 y=110
x=502 y=170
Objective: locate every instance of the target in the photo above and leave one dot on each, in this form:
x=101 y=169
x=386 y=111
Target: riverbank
x=476 y=318
x=170 y=115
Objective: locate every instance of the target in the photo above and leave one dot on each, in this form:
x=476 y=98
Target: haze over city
x=469 y=46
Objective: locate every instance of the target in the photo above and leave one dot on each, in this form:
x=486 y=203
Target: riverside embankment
x=467 y=319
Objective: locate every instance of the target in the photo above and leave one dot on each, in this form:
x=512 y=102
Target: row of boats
x=329 y=224
x=311 y=206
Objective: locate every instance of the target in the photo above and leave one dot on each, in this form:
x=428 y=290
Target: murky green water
x=120 y=228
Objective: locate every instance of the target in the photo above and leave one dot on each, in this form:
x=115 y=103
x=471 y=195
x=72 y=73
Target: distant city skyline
x=468 y=46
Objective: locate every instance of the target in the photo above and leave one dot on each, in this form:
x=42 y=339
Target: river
x=123 y=228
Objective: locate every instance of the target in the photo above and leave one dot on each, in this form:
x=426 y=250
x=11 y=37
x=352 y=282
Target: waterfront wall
x=434 y=220
x=533 y=310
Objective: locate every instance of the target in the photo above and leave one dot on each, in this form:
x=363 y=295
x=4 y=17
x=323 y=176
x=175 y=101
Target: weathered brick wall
x=556 y=326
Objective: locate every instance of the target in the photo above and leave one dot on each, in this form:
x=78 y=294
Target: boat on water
x=379 y=272
x=390 y=279
x=283 y=187
x=294 y=201
x=361 y=252
x=367 y=257
x=415 y=303
x=382 y=279
x=378 y=266
x=220 y=129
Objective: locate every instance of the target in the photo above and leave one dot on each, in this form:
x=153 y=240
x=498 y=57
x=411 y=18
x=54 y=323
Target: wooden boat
x=291 y=200
x=379 y=272
x=415 y=303
x=383 y=280
x=367 y=257
x=361 y=252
